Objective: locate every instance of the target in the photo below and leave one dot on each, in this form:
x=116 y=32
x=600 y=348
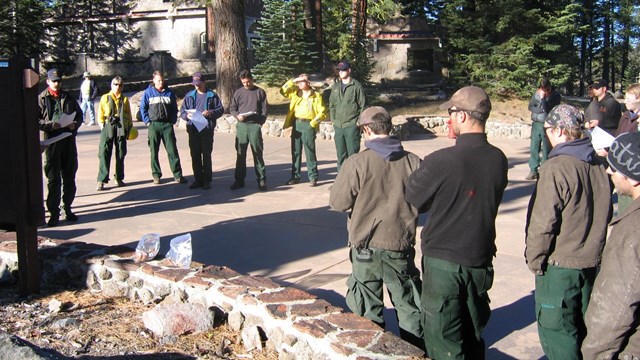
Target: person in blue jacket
x=206 y=102
x=159 y=110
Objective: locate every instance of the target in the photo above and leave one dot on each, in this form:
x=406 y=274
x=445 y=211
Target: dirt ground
x=91 y=326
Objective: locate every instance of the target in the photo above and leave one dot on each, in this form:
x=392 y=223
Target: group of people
x=586 y=285
x=200 y=109
x=586 y=292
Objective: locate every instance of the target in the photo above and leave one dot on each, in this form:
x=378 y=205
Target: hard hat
x=133 y=134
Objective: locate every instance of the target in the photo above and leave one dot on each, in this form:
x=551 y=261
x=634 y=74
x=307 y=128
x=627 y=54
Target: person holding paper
x=114 y=118
x=609 y=109
x=61 y=157
x=249 y=107
x=201 y=108
x=159 y=111
x=566 y=229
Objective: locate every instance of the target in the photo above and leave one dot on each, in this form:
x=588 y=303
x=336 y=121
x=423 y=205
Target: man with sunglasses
x=61 y=158
x=461 y=188
x=114 y=118
x=566 y=230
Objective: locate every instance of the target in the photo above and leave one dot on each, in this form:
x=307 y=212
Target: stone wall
x=403 y=127
x=293 y=322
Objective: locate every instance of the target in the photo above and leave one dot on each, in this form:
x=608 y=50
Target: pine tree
x=285 y=49
x=21 y=28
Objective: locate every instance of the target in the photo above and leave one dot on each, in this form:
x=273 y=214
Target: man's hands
x=591 y=124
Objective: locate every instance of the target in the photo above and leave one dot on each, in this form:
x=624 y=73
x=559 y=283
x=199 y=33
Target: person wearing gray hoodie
x=566 y=230
x=382 y=226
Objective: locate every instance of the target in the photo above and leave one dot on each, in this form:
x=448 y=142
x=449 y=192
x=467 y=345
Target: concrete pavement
x=287 y=233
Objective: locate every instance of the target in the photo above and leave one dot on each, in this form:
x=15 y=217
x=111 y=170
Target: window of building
x=420 y=59
x=203 y=43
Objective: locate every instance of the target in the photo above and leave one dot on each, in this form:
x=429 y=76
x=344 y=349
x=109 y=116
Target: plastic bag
x=180 y=251
x=147 y=248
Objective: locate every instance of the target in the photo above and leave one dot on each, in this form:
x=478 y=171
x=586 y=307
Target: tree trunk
x=313 y=13
x=358 y=19
x=606 y=47
x=230 y=46
x=211 y=41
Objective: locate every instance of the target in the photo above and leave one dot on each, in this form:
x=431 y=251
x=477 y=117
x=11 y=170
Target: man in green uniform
x=159 y=110
x=59 y=114
x=249 y=107
x=382 y=226
x=346 y=102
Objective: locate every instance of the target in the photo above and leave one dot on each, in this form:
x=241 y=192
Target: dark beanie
x=624 y=155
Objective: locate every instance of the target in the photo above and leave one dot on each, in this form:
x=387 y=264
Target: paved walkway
x=287 y=233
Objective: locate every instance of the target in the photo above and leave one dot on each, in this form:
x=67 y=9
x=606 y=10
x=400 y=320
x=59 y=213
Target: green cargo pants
x=347 y=142
x=397 y=270
x=303 y=135
x=562 y=297
x=163 y=132
x=60 y=167
x=455 y=308
x=539 y=146
x=105 y=150
x=249 y=134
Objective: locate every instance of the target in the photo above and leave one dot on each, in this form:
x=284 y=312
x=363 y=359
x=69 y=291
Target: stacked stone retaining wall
x=403 y=127
x=293 y=322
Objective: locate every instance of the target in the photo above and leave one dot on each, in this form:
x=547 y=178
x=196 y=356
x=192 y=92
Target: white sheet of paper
x=198 y=120
x=66 y=119
x=50 y=141
x=248 y=113
x=601 y=139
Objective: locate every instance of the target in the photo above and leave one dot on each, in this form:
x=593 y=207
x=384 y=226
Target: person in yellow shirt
x=114 y=118
x=306 y=111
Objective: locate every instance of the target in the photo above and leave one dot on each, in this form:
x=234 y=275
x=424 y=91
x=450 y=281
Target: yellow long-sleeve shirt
x=301 y=107
x=104 y=111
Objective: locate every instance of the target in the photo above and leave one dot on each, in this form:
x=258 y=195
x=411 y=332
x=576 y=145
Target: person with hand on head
x=306 y=111
x=114 y=118
x=206 y=102
x=382 y=226
x=61 y=157
x=159 y=110
x=543 y=100
x=88 y=93
x=566 y=230
x=460 y=188
x=250 y=107
x=612 y=326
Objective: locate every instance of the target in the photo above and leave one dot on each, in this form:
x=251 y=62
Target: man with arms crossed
x=382 y=226
x=461 y=187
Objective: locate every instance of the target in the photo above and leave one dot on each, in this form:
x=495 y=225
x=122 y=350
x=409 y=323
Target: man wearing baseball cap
x=609 y=109
x=206 y=102
x=346 y=102
x=382 y=226
x=566 y=230
x=61 y=157
x=461 y=188
x=613 y=330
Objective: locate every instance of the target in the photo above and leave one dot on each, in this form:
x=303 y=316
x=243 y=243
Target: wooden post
x=21 y=165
